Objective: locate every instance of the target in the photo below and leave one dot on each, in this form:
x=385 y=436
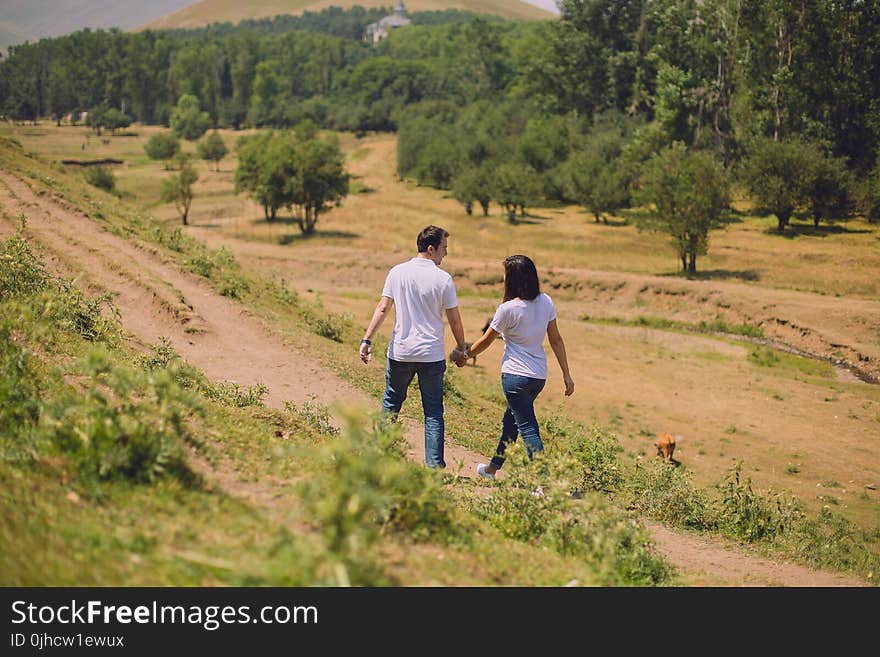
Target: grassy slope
x=473 y=411
x=218 y=11
x=61 y=524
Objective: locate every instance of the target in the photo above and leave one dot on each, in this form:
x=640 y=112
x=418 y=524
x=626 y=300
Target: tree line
x=663 y=106
x=263 y=75
x=709 y=73
x=783 y=95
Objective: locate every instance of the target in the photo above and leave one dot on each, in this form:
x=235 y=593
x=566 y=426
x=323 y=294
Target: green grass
x=101 y=486
x=663 y=324
x=790 y=363
x=242 y=438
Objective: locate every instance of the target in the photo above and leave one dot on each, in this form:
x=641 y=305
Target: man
x=421 y=292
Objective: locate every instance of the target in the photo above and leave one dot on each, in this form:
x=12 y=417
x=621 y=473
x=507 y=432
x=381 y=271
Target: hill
x=24 y=20
x=219 y=11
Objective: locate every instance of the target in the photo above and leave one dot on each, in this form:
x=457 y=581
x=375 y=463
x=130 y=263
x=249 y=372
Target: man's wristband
x=365 y=341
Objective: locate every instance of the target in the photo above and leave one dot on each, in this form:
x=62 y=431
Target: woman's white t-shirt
x=523 y=325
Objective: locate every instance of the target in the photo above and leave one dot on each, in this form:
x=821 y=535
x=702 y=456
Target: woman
x=522 y=320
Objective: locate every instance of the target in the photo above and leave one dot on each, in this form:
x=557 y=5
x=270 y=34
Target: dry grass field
x=219 y=11
x=799 y=424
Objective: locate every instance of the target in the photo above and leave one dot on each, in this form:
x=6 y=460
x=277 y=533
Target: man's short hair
x=430 y=236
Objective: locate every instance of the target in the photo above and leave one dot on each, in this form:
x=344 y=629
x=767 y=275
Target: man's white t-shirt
x=422 y=292
x=523 y=324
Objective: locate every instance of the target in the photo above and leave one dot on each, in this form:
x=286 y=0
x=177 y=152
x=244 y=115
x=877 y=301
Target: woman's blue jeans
x=521 y=392
x=398 y=376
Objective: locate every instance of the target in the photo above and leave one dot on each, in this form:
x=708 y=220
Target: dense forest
x=261 y=72
x=568 y=109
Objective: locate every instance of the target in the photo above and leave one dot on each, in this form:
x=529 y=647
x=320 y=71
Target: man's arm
x=382 y=310
x=457 y=327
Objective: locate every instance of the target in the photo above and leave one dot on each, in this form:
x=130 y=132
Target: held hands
x=459 y=357
x=569 y=386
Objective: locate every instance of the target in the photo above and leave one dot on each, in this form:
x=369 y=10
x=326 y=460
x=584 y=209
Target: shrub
x=124 y=428
x=221 y=267
x=21 y=272
x=764 y=357
x=829 y=539
x=19 y=388
x=533 y=504
x=162 y=146
x=371 y=489
x=102 y=178
x=596 y=455
x=744 y=514
x=232 y=394
x=668 y=494
x=315 y=414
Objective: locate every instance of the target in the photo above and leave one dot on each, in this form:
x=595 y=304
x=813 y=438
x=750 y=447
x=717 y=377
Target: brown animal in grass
x=665 y=445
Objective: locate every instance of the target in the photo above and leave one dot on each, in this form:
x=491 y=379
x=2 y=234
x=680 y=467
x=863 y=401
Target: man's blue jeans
x=521 y=392
x=398 y=376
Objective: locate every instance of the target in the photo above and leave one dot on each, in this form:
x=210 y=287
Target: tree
x=601 y=187
x=777 y=174
x=178 y=189
x=828 y=188
x=438 y=161
x=213 y=148
x=267 y=168
x=685 y=194
x=515 y=187
x=321 y=180
x=592 y=55
x=869 y=196
x=113 y=119
x=473 y=184
x=597 y=176
x=102 y=178
x=162 y=146
x=187 y=119
x=95 y=119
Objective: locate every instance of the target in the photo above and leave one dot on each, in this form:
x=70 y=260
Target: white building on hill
x=375 y=32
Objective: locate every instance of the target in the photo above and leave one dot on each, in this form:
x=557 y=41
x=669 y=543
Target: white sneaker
x=538 y=492
x=481 y=470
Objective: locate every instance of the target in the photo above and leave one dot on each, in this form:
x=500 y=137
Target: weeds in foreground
x=221 y=267
x=164 y=357
x=534 y=504
x=315 y=414
x=368 y=489
x=327 y=325
x=124 y=428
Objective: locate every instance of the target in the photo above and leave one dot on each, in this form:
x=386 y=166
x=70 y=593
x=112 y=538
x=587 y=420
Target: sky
x=549 y=5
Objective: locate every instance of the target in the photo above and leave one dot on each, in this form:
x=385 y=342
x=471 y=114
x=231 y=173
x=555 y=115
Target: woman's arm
x=484 y=342
x=558 y=346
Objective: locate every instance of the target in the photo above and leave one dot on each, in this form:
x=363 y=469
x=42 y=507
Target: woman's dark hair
x=430 y=236
x=520 y=278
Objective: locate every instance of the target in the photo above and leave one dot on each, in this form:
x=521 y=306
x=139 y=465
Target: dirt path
x=156 y=299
